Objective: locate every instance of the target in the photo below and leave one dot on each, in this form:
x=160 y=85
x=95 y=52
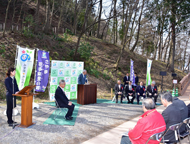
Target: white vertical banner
x=148 y=76
x=25 y=61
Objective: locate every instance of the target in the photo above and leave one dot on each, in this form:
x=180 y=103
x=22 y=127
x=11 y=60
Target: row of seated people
x=152 y=122
x=130 y=90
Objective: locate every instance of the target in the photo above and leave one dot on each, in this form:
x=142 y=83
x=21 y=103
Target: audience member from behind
x=119 y=90
x=140 y=91
x=152 y=91
x=171 y=116
x=130 y=91
x=63 y=101
x=151 y=122
x=126 y=79
x=179 y=104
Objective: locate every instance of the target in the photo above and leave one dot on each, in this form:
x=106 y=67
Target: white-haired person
x=119 y=90
x=63 y=101
x=152 y=91
x=150 y=122
x=82 y=78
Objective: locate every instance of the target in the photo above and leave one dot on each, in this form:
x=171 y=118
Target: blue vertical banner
x=132 y=74
x=42 y=71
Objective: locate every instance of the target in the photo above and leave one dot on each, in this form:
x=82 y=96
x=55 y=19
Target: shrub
x=28 y=33
x=106 y=77
x=85 y=50
x=2 y=49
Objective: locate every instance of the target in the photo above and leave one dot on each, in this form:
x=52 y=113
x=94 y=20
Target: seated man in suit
x=179 y=104
x=82 y=77
x=140 y=91
x=126 y=79
x=136 y=79
x=63 y=101
x=171 y=116
x=152 y=91
x=119 y=90
x=150 y=122
x=130 y=91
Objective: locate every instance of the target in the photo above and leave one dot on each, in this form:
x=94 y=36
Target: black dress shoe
x=10 y=124
x=71 y=117
x=68 y=118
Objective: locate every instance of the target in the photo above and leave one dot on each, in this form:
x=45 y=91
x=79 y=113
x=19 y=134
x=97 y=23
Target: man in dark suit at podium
x=119 y=90
x=63 y=101
x=82 y=77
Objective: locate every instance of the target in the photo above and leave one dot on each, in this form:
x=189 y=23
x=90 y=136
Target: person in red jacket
x=150 y=122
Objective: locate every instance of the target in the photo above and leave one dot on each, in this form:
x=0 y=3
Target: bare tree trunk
x=37 y=16
x=139 y=27
x=83 y=28
x=155 y=50
x=116 y=31
x=167 y=49
x=114 y=22
x=107 y=25
x=7 y=10
x=12 y=22
x=52 y=12
x=61 y=13
x=161 y=55
x=170 y=54
x=75 y=19
x=99 y=17
x=173 y=33
x=47 y=21
x=20 y=12
x=132 y=28
x=184 y=57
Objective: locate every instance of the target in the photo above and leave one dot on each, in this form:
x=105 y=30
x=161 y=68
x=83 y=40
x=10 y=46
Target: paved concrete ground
x=91 y=121
x=113 y=136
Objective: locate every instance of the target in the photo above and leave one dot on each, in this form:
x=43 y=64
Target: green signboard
x=68 y=71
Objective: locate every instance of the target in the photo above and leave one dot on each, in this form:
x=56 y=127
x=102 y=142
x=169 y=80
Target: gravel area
x=91 y=120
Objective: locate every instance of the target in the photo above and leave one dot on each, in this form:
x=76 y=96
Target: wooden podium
x=26 y=109
x=87 y=94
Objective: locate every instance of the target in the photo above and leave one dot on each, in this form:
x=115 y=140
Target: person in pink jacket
x=150 y=122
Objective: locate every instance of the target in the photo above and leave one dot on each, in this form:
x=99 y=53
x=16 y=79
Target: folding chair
x=62 y=111
x=113 y=99
x=174 y=128
x=156 y=137
x=187 y=133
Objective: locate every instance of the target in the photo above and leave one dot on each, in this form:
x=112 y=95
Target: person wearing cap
x=152 y=91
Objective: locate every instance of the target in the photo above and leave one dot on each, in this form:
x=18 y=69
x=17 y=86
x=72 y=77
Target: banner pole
x=35 y=105
x=50 y=61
